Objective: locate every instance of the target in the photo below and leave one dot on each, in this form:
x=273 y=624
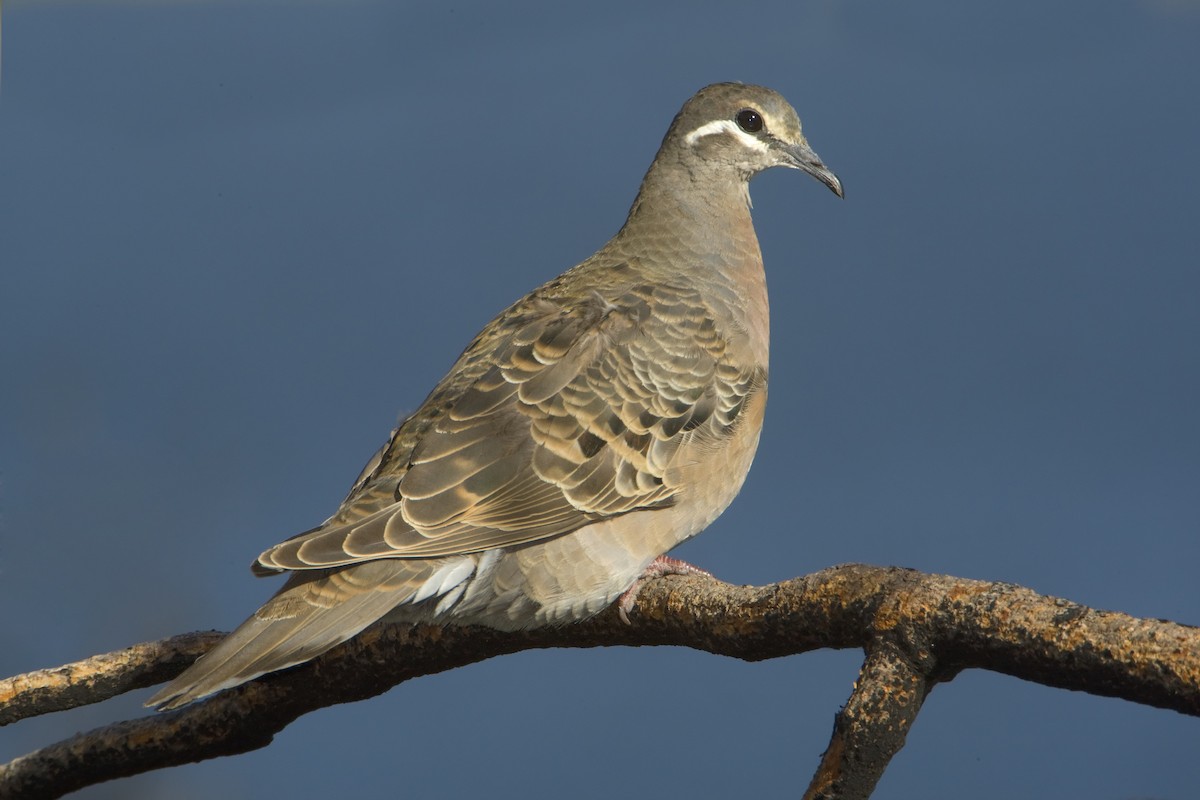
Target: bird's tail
x=311 y=613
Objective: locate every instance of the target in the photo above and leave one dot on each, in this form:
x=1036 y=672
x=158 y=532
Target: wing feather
x=571 y=414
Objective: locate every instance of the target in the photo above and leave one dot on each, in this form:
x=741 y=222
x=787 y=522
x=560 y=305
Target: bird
x=587 y=430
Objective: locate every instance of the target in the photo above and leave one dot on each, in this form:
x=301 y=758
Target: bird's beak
x=802 y=157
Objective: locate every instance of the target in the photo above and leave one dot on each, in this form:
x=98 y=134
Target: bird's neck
x=696 y=205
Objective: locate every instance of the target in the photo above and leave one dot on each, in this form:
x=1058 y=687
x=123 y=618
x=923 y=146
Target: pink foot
x=663 y=565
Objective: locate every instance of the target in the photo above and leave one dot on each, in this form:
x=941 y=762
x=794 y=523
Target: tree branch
x=916 y=629
x=872 y=727
x=98 y=678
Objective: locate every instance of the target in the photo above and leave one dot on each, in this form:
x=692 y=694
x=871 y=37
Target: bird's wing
x=570 y=412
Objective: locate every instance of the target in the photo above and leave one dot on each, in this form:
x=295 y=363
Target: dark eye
x=749 y=120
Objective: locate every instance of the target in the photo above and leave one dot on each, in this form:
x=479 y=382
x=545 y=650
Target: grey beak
x=803 y=158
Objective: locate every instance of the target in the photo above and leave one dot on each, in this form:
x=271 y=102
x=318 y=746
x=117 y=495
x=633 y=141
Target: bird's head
x=744 y=127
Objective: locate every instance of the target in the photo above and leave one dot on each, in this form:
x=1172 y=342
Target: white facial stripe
x=725 y=126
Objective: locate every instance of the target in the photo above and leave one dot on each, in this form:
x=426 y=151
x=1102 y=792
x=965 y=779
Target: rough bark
x=916 y=629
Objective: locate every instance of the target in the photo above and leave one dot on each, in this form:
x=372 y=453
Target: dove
x=587 y=430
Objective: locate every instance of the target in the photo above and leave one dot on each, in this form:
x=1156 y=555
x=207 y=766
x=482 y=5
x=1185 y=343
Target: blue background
x=239 y=240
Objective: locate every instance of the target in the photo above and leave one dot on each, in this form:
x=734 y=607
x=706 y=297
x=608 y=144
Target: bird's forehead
x=779 y=112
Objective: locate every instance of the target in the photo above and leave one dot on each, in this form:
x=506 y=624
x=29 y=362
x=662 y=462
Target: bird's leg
x=663 y=565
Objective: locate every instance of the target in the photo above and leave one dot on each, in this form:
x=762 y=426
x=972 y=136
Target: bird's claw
x=663 y=565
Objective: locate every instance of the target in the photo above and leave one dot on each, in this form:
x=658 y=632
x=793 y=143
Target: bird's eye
x=749 y=120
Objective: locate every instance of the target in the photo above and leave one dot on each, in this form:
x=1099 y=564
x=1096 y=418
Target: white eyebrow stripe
x=725 y=126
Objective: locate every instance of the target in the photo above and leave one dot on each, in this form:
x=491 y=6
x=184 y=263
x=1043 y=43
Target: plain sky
x=239 y=240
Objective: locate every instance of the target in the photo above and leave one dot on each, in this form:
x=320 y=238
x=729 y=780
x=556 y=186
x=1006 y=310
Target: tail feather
x=310 y=614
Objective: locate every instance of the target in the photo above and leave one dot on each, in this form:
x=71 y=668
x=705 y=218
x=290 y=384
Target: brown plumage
x=588 y=429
